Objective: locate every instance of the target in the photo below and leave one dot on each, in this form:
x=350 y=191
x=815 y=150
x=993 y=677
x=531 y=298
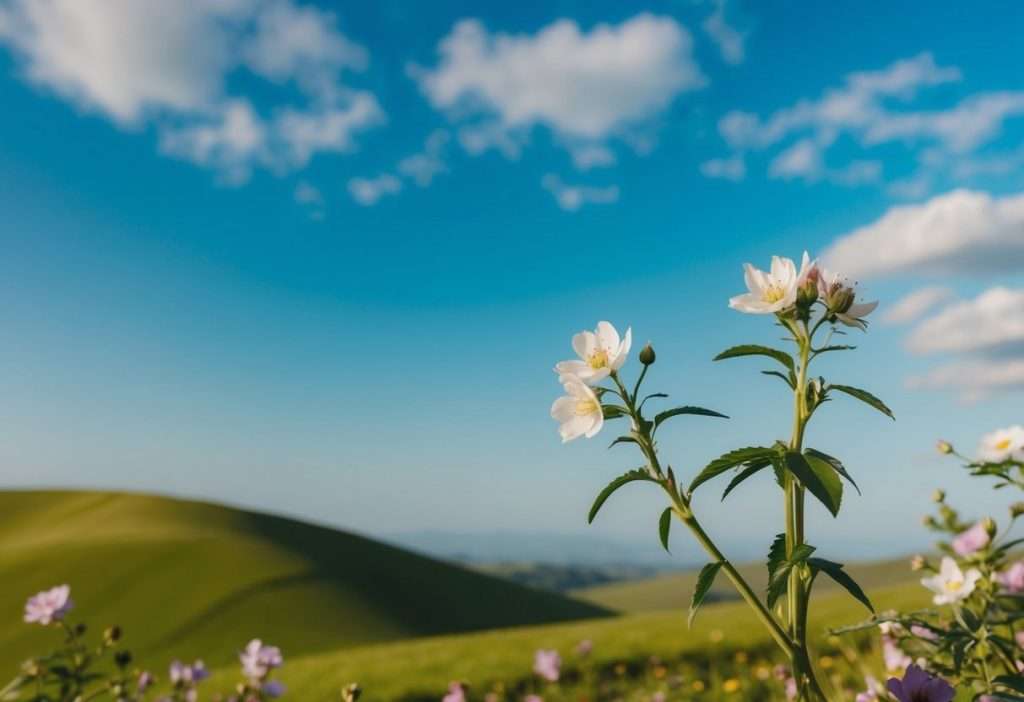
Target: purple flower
x=179 y=673
x=273 y=688
x=1012 y=579
x=49 y=606
x=258 y=660
x=919 y=686
x=145 y=680
x=971 y=540
x=456 y=693
x=547 y=664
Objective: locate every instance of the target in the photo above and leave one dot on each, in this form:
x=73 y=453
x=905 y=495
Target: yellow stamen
x=953 y=585
x=585 y=407
x=598 y=359
x=1003 y=445
x=774 y=293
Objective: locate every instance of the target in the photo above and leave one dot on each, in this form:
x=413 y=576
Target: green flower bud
x=928 y=521
x=990 y=526
x=647 y=355
x=944 y=447
x=939 y=496
x=111 y=635
x=1016 y=509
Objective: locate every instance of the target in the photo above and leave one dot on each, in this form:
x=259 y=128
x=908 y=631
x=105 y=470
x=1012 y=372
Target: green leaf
x=614 y=411
x=777 y=553
x=754 y=350
x=836 y=572
x=788 y=380
x=750 y=470
x=816 y=480
x=779 y=567
x=664 y=524
x=704 y=582
x=835 y=347
x=676 y=411
x=778 y=583
x=630 y=477
x=731 y=460
x=829 y=478
x=1014 y=682
x=624 y=440
x=866 y=397
x=835 y=463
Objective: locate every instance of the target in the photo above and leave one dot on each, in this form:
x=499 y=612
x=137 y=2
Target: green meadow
x=188 y=579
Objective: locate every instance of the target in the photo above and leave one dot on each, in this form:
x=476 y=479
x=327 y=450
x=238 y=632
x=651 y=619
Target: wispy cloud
x=915 y=304
x=573 y=197
x=369 y=191
x=168 y=64
x=731 y=42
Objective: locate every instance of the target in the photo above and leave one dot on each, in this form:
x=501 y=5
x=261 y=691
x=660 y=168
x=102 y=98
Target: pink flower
x=873 y=693
x=547 y=664
x=145 y=680
x=1012 y=579
x=894 y=657
x=456 y=692
x=919 y=686
x=258 y=660
x=971 y=540
x=791 y=688
x=49 y=606
x=533 y=698
x=923 y=632
x=658 y=696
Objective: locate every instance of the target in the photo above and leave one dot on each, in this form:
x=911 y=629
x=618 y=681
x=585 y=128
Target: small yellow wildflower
x=731 y=685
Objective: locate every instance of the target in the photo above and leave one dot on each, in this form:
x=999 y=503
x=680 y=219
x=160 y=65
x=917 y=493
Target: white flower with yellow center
x=841 y=299
x=578 y=412
x=772 y=291
x=600 y=351
x=951 y=585
x=1002 y=445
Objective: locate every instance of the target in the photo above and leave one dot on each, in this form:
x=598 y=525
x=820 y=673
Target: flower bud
x=351 y=693
x=918 y=563
x=939 y=496
x=928 y=521
x=944 y=447
x=1016 y=509
x=839 y=299
x=807 y=293
x=111 y=635
x=990 y=526
x=647 y=355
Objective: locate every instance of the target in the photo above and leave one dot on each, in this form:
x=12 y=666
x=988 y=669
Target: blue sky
x=320 y=258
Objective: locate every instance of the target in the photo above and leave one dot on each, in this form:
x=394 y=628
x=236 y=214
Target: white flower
x=578 y=412
x=773 y=291
x=840 y=299
x=601 y=352
x=951 y=584
x=1002 y=445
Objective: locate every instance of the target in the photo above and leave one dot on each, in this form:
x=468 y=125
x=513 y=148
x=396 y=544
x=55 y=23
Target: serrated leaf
x=731 y=460
x=630 y=477
x=778 y=583
x=809 y=477
x=776 y=553
x=829 y=478
x=750 y=470
x=865 y=397
x=704 y=582
x=835 y=463
x=614 y=411
x=836 y=572
x=786 y=379
x=676 y=411
x=664 y=525
x=755 y=350
x=834 y=347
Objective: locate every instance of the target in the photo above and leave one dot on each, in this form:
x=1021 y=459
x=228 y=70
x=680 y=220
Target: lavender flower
x=273 y=688
x=971 y=540
x=182 y=674
x=456 y=692
x=919 y=686
x=49 y=606
x=547 y=664
x=145 y=681
x=258 y=660
x=1012 y=579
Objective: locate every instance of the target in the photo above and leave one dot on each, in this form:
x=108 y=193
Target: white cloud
x=308 y=194
x=733 y=168
x=585 y=86
x=169 y=64
x=424 y=166
x=992 y=321
x=973 y=380
x=801 y=160
x=587 y=156
x=914 y=305
x=368 y=191
x=730 y=41
x=961 y=231
x=573 y=197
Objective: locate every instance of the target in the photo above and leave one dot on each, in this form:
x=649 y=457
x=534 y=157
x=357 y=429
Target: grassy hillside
x=187 y=578
x=673 y=590
x=419 y=670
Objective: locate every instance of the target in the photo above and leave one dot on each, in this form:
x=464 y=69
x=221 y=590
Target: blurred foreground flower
x=547 y=664
x=258 y=659
x=919 y=686
x=49 y=606
x=1012 y=579
x=972 y=539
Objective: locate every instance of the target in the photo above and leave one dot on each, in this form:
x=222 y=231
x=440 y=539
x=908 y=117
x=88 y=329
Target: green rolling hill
x=188 y=579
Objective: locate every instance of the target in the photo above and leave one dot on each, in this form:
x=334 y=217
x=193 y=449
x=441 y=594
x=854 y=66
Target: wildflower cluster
x=802 y=302
x=76 y=671
x=974 y=636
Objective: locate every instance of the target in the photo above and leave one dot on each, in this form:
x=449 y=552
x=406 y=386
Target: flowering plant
x=76 y=671
x=974 y=638
x=802 y=302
